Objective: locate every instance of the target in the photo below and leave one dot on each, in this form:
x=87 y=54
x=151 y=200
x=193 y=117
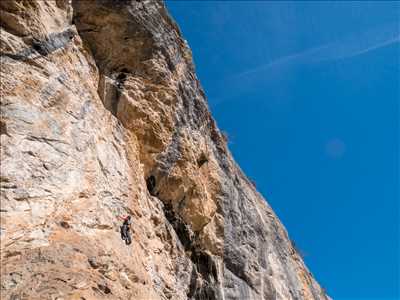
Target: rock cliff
x=102 y=115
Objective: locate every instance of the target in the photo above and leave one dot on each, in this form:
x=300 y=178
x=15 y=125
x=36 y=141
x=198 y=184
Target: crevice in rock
x=53 y=42
x=110 y=89
x=3 y=128
x=202 y=291
x=206 y=266
x=151 y=185
x=203 y=281
x=105 y=289
x=204 y=277
x=121 y=77
x=204 y=273
x=65 y=224
x=202 y=160
x=184 y=233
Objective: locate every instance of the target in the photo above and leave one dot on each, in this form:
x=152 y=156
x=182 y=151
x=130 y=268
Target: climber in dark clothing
x=125 y=229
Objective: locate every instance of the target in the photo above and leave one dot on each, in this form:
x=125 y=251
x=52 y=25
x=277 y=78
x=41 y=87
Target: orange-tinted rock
x=102 y=116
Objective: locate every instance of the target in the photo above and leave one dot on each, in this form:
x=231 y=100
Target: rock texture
x=102 y=115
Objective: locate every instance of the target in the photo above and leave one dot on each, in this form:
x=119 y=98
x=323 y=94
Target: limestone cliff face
x=102 y=115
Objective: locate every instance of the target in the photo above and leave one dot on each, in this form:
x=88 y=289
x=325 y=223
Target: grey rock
x=101 y=116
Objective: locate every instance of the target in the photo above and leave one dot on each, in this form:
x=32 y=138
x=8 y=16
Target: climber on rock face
x=125 y=229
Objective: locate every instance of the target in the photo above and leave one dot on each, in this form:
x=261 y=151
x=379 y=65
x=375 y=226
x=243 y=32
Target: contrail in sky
x=349 y=47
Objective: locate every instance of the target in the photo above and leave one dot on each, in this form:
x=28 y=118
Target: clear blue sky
x=309 y=94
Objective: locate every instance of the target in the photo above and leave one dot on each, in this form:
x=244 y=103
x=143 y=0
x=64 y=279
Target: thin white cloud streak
x=371 y=48
x=346 y=48
x=280 y=61
x=349 y=47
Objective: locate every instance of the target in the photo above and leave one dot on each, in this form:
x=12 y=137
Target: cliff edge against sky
x=101 y=116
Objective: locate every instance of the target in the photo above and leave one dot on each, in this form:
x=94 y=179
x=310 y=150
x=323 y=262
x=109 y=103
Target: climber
x=125 y=229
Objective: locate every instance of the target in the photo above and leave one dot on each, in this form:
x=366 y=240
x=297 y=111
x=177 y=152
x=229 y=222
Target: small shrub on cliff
x=225 y=136
x=202 y=159
x=297 y=250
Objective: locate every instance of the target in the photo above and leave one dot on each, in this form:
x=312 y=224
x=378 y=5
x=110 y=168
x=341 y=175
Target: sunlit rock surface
x=102 y=115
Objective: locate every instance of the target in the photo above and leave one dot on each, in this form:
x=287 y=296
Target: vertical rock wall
x=102 y=115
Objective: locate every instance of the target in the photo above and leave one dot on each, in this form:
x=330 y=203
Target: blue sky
x=308 y=93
